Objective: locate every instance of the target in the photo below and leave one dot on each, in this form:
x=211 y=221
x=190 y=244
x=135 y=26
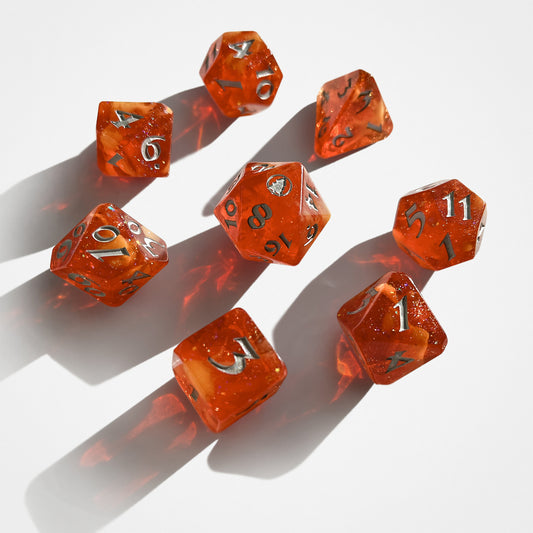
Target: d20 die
x=227 y=369
x=133 y=139
x=109 y=255
x=350 y=114
x=441 y=224
x=240 y=73
x=391 y=328
x=272 y=212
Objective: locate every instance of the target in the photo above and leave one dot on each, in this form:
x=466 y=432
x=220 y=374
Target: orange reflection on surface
x=347 y=366
x=390 y=261
x=186 y=438
x=228 y=265
x=97 y=453
x=203 y=272
x=164 y=407
x=58 y=206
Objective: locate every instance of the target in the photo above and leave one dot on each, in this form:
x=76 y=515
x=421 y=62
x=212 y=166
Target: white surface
x=93 y=432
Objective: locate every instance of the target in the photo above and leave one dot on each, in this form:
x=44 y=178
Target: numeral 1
x=402 y=308
x=448 y=245
x=467 y=215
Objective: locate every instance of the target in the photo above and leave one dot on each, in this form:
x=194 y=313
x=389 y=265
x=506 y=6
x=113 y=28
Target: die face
x=441 y=224
x=240 y=73
x=133 y=139
x=109 y=255
x=350 y=114
x=227 y=369
x=391 y=328
x=273 y=212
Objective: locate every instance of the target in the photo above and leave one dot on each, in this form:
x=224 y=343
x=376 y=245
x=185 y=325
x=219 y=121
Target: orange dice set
x=240 y=73
x=272 y=212
x=227 y=369
x=133 y=139
x=109 y=255
x=391 y=328
x=350 y=114
x=441 y=224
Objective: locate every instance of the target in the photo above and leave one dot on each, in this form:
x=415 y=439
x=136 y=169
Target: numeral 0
x=100 y=236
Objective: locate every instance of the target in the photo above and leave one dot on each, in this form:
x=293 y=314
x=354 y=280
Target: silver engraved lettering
x=125 y=119
x=371 y=126
x=156 y=149
x=466 y=207
x=64 y=248
x=370 y=293
x=311 y=233
x=226 y=83
x=340 y=95
x=115 y=159
x=241 y=49
x=108 y=252
x=411 y=215
x=448 y=245
x=402 y=308
x=309 y=199
x=264 y=95
x=148 y=246
x=279 y=185
x=339 y=140
x=240 y=358
x=395 y=359
x=449 y=203
x=97 y=235
x=134 y=227
x=79 y=230
x=368 y=97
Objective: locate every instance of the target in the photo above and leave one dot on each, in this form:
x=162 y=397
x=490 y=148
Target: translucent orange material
x=227 y=369
x=240 y=73
x=272 y=212
x=133 y=139
x=441 y=224
x=350 y=114
x=109 y=255
x=392 y=329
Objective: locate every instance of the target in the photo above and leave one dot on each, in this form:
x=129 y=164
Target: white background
x=95 y=434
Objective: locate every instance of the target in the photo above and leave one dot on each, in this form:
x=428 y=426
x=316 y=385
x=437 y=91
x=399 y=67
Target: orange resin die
x=350 y=114
x=240 y=73
x=109 y=255
x=441 y=224
x=227 y=369
x=391 y=328
x=133 y=139
x=272 y=212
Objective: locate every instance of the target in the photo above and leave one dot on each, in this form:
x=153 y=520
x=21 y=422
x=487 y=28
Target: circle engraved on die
x=279 y=185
